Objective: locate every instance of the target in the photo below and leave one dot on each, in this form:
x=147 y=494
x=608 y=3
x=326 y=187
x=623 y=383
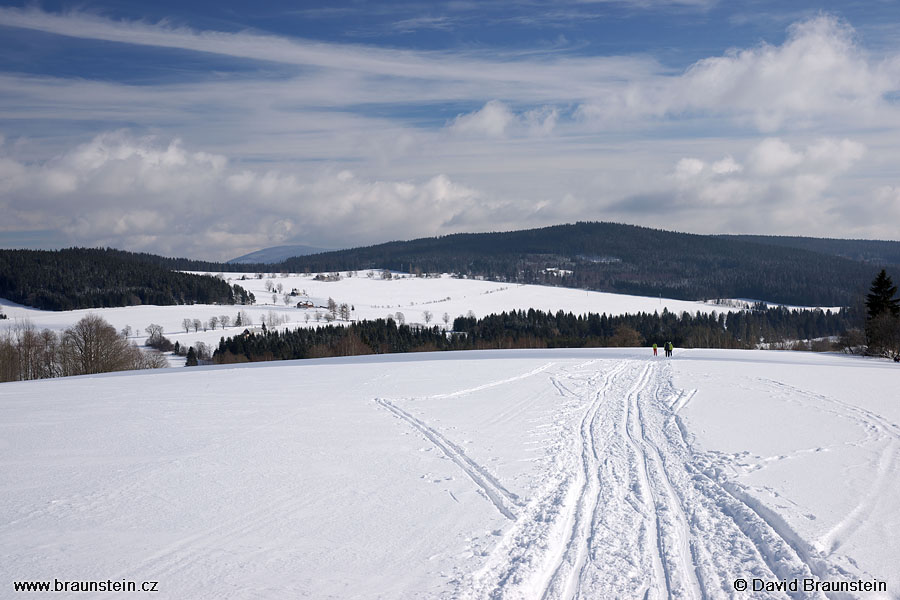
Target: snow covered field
x=501 y=474
x=372 y=298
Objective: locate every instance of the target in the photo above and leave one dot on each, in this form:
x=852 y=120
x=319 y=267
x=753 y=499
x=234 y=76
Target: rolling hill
x=620 y=258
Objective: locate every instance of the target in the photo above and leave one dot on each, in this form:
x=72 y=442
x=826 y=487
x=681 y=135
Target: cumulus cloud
x=778 y=186
x=496 y=120
x=819 y=72
x=147 y=193
x=491 y=120
x=326 y=144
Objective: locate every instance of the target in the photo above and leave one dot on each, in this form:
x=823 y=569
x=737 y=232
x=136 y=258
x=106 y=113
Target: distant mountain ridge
x=276 y=254
x=878 y=252
x=76 y=278
x=608 y=257
x=622 y=258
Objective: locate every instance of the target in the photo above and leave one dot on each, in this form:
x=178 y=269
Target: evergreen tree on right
x=883 y=318
x=880 y=298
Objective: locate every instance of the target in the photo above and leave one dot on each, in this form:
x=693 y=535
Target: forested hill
x=598 y=256
x=876 y=252
x=621 y=258
x=92 y=278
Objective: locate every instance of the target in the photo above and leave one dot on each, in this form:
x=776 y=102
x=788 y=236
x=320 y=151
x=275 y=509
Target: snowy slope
x=501 y=474
x=372 y=298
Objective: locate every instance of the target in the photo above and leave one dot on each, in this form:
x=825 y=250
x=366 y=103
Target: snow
x=371 y=298
x=592 y=473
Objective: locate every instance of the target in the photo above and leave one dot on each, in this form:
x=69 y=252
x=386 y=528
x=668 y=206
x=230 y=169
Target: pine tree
x=880 y=298
x=883 y=322
x=191 y=358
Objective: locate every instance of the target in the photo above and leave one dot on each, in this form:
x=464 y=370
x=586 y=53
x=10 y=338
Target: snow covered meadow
x=601 y=473
x=370 y=297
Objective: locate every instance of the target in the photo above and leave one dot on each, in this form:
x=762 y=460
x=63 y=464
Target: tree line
x=93 y=278
x=90 y=346
x=538 y=329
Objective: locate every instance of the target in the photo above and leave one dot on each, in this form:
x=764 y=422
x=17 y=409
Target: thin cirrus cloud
x=371 y=60
x=819 y=70
x=357 y=144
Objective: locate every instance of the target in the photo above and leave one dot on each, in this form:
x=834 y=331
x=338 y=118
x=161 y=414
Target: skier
x=654 y=350
x=669 y=348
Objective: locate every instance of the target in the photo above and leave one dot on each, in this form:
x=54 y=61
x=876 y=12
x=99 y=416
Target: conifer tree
x=191 y=358
x=880 y=298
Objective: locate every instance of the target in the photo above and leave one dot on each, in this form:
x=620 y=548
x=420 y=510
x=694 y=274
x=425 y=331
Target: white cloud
x=779 y=187
x=491 y=120
x=819 y=73
x=688 y=168
x=491 y=70
x=497 y=120
x=773 y=156
x=143 y=193
x=578 y=137
x=819 y=77
x=726 y=166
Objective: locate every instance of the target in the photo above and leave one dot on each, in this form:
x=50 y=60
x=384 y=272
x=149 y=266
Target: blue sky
x=213 y=129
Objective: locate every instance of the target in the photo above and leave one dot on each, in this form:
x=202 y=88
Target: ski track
x=879 y=430
x=492 y=384
x=626 y=508
x=505 y=501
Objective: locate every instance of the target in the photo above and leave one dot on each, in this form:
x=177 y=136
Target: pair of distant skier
x=668 y=348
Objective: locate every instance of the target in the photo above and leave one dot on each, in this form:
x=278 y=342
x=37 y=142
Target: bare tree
x=224 y=321
x=884 y=335
x=202 y=350
x=50 y=353
x=146 y=360
x=446 y=319
x=344 y=311
x=280 y=287
x=93 y=346
x=269 y=285
x=90 y=346
x=154 y=331
x=213 y=322
x=332 y=308
x=28 y=350
x=401 y=318
x=428 y=316
x=197 y=323
x=187 y=324
x=9 y=365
